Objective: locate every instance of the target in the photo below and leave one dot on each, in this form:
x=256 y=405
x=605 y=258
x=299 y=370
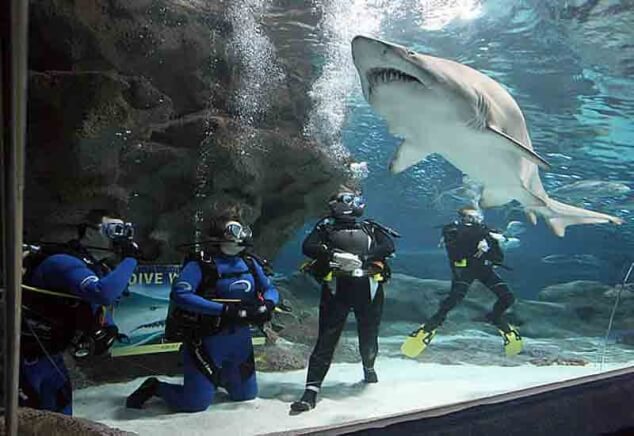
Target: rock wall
x=138 y=107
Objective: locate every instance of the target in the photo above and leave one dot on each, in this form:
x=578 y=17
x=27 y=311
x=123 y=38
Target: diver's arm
x=184 y=292
x=451 y=238
x=495 y=253
x=62 y=271
x=382 y=245
x=269 y=292
x=314 y=245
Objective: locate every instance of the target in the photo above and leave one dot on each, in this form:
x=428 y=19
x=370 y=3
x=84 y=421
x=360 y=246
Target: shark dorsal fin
x=521 y=148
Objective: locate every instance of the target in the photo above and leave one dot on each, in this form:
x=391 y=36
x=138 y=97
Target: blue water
x=569 y=66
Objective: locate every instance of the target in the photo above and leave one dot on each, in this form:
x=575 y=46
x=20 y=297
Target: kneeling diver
x=218 y=294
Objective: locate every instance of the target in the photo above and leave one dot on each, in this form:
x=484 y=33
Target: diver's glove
x=324 y=251
x=234 y=312
x=128 y=248
x=346 y=261
x=500 y=237
x=483 y=247
x=263 y=312
x=248 y=312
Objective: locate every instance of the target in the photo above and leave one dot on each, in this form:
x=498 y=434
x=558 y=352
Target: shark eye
x=411 y=53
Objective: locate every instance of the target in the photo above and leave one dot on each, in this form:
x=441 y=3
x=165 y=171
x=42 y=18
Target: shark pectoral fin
x=521 y=148
x=407 y=155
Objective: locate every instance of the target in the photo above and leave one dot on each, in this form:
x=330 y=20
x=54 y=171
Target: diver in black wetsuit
x=473 y=250
x=349 y=261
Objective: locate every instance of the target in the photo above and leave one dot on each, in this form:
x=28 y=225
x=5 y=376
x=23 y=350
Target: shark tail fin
x=559 y=215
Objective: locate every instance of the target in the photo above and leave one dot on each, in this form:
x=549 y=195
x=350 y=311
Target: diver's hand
x=483 y=247
x=248 y=312
x=324 y=250
x=262 y=313
x=500 y=237
x=347 y=261
x=235 y=312
x=129 y=248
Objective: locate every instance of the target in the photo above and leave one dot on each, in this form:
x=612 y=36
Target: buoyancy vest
x=183 y=324
x=461 y=243
x=352 y=237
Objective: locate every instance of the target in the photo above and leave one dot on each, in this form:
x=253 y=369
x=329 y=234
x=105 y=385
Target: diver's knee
x=195 y=401
x=195 y=408
x=244 y=396
x=248 y=391
x=196 y=405
x=508 y=299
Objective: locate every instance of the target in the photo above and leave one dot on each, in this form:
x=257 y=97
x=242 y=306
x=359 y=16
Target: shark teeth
x=382 y=76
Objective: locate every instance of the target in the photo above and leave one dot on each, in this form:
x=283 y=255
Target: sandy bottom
x=404 y=385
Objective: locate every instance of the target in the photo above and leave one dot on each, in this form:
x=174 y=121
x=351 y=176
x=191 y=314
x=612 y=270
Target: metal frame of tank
x=596 y=403
x=14 y=74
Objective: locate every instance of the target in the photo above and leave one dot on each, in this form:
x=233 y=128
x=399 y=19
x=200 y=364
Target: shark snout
x=364 y=47
x=380 y=63
x=369 y=53
x=359 y=41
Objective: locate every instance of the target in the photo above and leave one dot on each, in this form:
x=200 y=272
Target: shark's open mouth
x=382 y=76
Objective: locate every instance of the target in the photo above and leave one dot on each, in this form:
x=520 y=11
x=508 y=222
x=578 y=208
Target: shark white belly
x=434 y=128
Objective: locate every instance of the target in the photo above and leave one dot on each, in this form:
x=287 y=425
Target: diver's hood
x=231 y=248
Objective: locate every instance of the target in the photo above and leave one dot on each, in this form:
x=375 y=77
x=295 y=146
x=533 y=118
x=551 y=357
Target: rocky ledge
x=154 y=109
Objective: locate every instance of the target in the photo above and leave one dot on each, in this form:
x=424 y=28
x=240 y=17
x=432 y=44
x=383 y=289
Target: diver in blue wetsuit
x=67 y=289
x=218 y=295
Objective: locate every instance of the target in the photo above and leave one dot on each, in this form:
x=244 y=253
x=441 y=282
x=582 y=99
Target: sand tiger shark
x=440 y=106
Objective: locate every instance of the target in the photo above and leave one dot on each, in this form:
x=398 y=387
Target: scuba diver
x=219 y=293
x=67 y=291
x=473 y=250
x=349 y=261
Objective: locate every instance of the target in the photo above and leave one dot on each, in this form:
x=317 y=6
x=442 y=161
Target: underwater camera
x=117 y=231
x=95 y=343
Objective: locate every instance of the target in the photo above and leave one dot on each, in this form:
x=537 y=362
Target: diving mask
x=347 y=204
x=234 y=231
x=471 y=216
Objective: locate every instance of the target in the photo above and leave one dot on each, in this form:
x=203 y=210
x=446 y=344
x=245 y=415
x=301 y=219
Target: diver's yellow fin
x=512 y=342
x=417 y=341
